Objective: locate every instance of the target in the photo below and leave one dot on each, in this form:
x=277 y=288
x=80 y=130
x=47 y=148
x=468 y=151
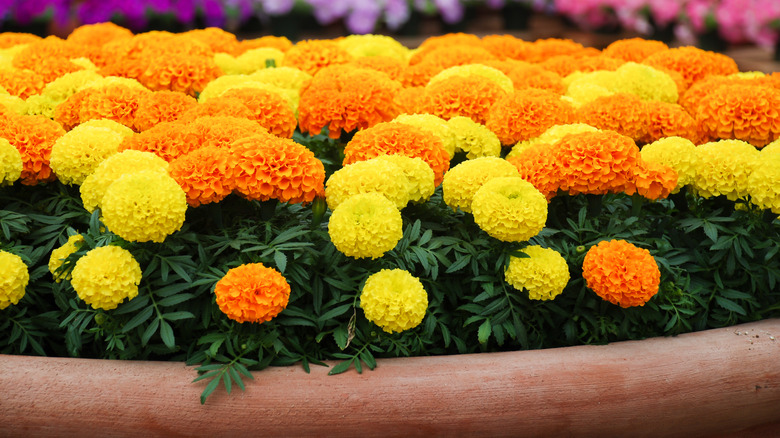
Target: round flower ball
x=418 y=172
x=763 y=182
x=144 y=206
x=544 y=273
x=433 y=124
x=474 y=139
x=10 y=163
x=365 y=225
x=394 y=300
x=78 y=153
x=676 y=152
x=381 y=176
x=723 y=168
x=252 y=292
x=509 y=209
x=621 y=273
x=13 y=279
x=462 y=181
x=105 y=276
x=59 y=255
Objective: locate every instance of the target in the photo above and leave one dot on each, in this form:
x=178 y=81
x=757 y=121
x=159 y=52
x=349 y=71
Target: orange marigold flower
x=669 y=120
x=161 y=106
x=113 y=102
x=408 y=100
x=218 y=40
x=527 y=75
x=10 y=39
x=98 y=34
x=467 y=96
x=742 y=112
x=53 y=68
x=45 y=49
x=386 y=64
x=275 y=42
x=538 y=165
x=621 y=112
x=549 y=47
x=621 y=273
x=509 y=47
x=271 y=110
x=158 y=45
x=217 y=107
x=33 y=137
x=131 y=68
x=312 y=56
x=596 y=162
x=526 y=114
x=633 y=49
x=448 y=40
x=565 y=65
x=652 y=180
x=167 y=140
x=252 y=293
x=694 y=94
x=418 y=74
x=180 y=72
x=692 y=63
x=400 y=139
x=22 y=83
x=270 y=167
x=223 y=131
x=345 y=98
x=205 y=174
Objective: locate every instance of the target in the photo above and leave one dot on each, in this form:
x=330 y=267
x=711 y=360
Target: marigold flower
x=408 y=100
x=446 y=41
x=371 y=46
x=248 y=62
x=418 y=172
x=15 y=104
x=692 y=63
x=527 y=113
x=113 y=102
x=652 y=180
x=392 y=67
x=565 y=65
x=220 y=131
x=547 y=48
x=67 y=85
x=544 y=273
x=633 y=49
x=59 y=255
x=462 y=181
x=527 y=75
x=693 y=96
x=10 y=163
x=509 y=209
x=623 y=113
x=723 y=168
x=14 y=277
x=480 y=70
x=365 y=225
x=436 y=125
x=186 y=73
x=742 y=112
x=21 y=83
x=646 y=82
x=276 y=42
x=509 y=47
x=75 y=155
x=394 y=300
x=33 y=137
x=218 y=40
x=621 y=273
x=270 y=167
x=344 y=98
x=538 y=165
x=468 y=96
x=312 y=56
x=98 y=34
x=252 y=292
x=436 y=60
x=398 y=138
x=168 y=140
x=105 y=276
x=473 y=138
x=10 y=39
x=287 y=78
x=676 y=152
x=550 y=137
x=763 y=182
x=205 y=174
x=373 y=175
x=271 y=110
x=217 y=107
x=669 y=120
x=143 y=206
x=111 y=169
x=161 y=106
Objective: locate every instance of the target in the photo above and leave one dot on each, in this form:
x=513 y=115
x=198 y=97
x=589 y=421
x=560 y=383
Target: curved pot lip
x=707 y=383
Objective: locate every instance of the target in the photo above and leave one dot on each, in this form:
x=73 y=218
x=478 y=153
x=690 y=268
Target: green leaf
x=711 y=231
x=730 y=305
x=459 y=264
x=341 y=335
x=281 y=261
x=176 y=316
x=166 y=333
x=175 y=299
x=484 y=331
x=208 y=390
x=332 y=313
x=150 y=331
x=341 y=367
x=140 y=318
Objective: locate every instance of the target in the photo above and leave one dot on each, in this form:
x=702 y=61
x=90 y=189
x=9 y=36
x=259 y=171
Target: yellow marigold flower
x=248 y=62
x=252 y=293
x=394 y=300
x=764 y=181
x=222 y=84
x=773 y=147
x=621 y=273
x=544 y=273
x=39 y=105
x=473 y=138
x=78 y=153
x=676 y=152
x=462 y=181
x=365 y=225
x=10 y=163
x=551 y=136
x=14 y=103
x=373 y=45
x=112 y=125
x=483 y=71
x=105 y=276
x=723 y=168
x=68 y=84
x=95 y=185
x=368 y=176
x=435 y=125
x=510 y=209
x=283 y=77
x=143 y=206
x=13 y=279
x=419 y=173
x=59 y=255
x=646 y=82
x=582 y=92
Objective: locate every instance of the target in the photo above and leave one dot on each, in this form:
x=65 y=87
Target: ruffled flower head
x=161 y=106
x=692 y=63
x=473 y=138
x=114 y=102
x=676 y=152
x=527 y=75
x=392 y=67
x=312 y=56
x=287 y=78
x=621 y=273
x=67 y=85
x=484 y=72
x=742 y=112
x=622 y=113
x=14 y=277
x=527 y=113
x=220 y=131
x=98 y=34
x=33 y=137
x=538 y=164
x=373 y=175
x=370 y=46
x=217 y=107
x=669 y=120
x=436 y=125
x=168 y=140
x=10 y=163
x=78 y=153
x=271 y=110
x=398 y=138
x=218 y=40
x=185 y=73
x=111 y=169
x=365 y=225
x=418 y=172
x=10 y=39
x=508 y=47
x=394 y=300
x=344 y=98
x=646 y=82
x=143 y=206
x=449 y=40
x=723 y=168
x=252 y=292
x=469 y=96
x=633 y=49
x=544 y=273
x=763 y=182
x=275 y=42
x=105 y=276
x=462 y=181
x=565 y=65
x=550 y=137
x=430 y=63
x=547 y=48
x=509 y=209
x=652 y=180
x=21 y=83
x=59 y=255
x=205 y=174
x=248 y=62
x=269 y=167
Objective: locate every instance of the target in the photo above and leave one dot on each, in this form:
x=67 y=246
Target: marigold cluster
x=58 y=256
x=365 y=225
x=105 y=276
x=544 y=273
x=527 y=113
x=509 y=209
x=394 y=300
x=462 y=181
x=621 y=273
x=14 y=277
x=372 y=175
x=252 y=292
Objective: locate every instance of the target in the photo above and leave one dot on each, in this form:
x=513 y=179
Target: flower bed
x=239 y=204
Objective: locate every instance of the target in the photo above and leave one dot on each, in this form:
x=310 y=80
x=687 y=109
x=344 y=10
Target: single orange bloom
x=408 y=100
x=652 y=180
x=448 y=40
x=526 y=114
x=271 y=110
x=743 y=112
x=33 y=137
x=633 y=49
x=621 y=112
x=53 y=68
x=222 y=131
x=22 y=83
x=161 y=106
x=167 y=140
x=312 y=56
x=669 y=120
x=468 y=96
x=45 y=49
x=527 y=75
x=98 y=34
x=179 y=72
x=539 y=166
x=113 y=102
x=217 y=107
x=420 y=73
x=10 y=39
x=509 y=47
x=549 y=47
x=621 y=273
x=205 y=174
x=252 y=293
x=218 y=40
x=386 y=64
x=692 y=63
x=565 y=65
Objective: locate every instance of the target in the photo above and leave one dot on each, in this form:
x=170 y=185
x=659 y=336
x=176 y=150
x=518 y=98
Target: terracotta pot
x=711 y=383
